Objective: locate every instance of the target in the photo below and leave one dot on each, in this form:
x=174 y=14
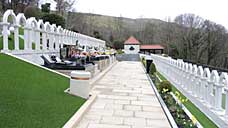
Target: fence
x=40 y=37
x=208 y=90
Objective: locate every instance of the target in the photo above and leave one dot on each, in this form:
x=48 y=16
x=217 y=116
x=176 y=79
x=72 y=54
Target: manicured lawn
x=31 y=97
x=201 y=117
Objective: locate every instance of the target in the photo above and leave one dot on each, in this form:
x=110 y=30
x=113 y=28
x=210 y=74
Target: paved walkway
x=126 y=100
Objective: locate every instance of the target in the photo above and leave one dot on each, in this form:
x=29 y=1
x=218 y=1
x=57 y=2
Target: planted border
x=200 y=116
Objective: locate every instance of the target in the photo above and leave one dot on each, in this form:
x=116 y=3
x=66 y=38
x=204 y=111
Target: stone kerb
x=207 y=87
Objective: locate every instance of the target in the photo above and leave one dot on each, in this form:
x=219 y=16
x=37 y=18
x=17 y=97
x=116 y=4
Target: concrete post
x=79 y=83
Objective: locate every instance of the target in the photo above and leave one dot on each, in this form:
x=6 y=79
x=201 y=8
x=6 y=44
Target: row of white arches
x=44 y=35
x=208 y=87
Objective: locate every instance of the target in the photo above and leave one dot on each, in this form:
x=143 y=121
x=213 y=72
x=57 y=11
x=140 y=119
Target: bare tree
x=190 y=34
x=215 y=39
x=17 y=5
x=63 y=6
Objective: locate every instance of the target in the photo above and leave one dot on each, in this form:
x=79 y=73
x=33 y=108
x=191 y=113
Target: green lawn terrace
x=33 y=97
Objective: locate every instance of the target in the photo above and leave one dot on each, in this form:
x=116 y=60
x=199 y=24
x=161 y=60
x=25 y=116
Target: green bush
x=32 y=11
x=120 y=51
x=165 y=86
x=152 y=69
x=143 y=61
x=54 y=19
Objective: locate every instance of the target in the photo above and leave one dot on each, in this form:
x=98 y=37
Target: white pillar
x=30 y=37
x=16 y=37
x=44 y=41
x=211 y=95
x=37 y=37
x=218 y=96
x=226 y=107
x=201 y=92
x=79 y=83
x=51 y=41
x=5 y=36
x=26 y=38
x=57 y=37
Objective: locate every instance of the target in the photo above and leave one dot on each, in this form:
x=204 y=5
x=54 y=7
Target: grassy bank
x=33 y=97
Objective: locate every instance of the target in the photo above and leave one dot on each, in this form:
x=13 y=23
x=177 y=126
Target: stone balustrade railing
x=45 y=36
x=208 y=90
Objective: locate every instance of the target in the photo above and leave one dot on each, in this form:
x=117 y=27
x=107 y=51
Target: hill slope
x=116 y=28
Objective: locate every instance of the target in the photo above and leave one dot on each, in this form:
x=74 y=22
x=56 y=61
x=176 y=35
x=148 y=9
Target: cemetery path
x=126 y=100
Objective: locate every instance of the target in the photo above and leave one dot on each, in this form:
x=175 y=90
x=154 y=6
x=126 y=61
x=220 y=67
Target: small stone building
x=133 y=46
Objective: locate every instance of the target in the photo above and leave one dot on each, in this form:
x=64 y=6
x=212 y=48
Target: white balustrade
x=46 y=37
x=207 y=87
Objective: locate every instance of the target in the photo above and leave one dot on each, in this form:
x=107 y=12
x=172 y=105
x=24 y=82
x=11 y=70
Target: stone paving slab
x=126 y=100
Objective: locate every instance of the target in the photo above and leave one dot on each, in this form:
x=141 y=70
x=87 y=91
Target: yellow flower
x=194 y=120
x=177 y=93
x=165 y=90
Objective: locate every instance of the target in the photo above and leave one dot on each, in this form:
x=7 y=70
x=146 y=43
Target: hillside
x=117 y=28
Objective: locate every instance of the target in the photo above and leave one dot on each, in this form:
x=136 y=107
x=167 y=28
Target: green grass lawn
x=31 y=97
x=201 y=117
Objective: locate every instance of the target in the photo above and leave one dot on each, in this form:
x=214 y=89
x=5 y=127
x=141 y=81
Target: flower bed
x=164 y=88
x=179 y=115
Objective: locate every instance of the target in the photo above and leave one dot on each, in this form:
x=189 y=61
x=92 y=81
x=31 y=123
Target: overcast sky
x=214 y=10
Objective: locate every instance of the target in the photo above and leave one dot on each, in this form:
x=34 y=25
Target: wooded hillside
x=189 y=37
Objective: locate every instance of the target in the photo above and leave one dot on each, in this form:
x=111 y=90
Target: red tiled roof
x=131 y=40
x=151 y=46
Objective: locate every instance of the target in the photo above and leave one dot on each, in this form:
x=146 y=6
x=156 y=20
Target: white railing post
x=218 y=96
x=44 y=41
x=5 y=33
x=226 y=106
x=37 y=39
x=16 y=37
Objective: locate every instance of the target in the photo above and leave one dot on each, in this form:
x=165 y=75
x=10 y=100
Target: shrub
x=54 y=19
x=152 y=69
x=165 y=86
x=46 y=8
x=32 y=11
x=118 y=44
x=120 y=51
x=143 y=61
